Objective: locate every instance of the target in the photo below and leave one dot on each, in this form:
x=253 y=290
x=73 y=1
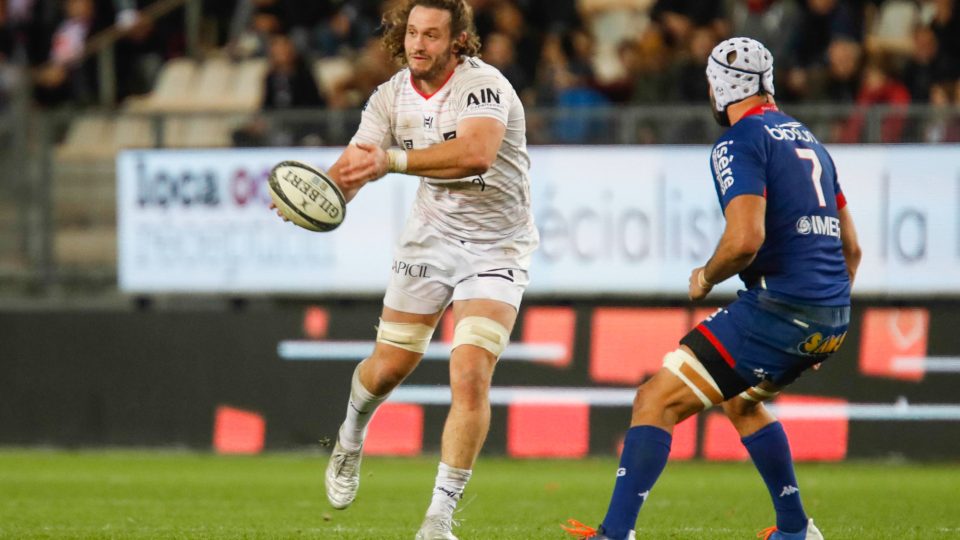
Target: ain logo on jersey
x=486 y=97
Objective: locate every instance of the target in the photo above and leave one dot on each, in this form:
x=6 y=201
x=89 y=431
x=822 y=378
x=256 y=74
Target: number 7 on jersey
x=808 y=153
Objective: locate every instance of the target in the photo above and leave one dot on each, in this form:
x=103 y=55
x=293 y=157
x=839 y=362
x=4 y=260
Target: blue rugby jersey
x=770 y=154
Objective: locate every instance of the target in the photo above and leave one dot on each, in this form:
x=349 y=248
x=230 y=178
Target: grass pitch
x=52 y=494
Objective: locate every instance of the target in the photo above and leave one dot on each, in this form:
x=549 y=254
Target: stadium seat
x=88 y=137
x=213 y=86
x=133 y=132
x=247 y=87
x=173 y=90
x=86 y=247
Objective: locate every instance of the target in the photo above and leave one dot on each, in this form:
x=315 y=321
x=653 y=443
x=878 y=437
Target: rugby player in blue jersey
x=791 y=239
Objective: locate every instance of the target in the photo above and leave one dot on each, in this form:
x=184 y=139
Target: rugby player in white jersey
x=457 y=124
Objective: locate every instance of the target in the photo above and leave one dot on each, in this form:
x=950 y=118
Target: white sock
x=448 y=490
x=360 y=409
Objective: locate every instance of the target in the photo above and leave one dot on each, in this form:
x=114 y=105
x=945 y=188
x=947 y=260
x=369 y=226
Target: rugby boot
x=343 y=476
x=585 y=532
x=436 y=528
x=810 y=532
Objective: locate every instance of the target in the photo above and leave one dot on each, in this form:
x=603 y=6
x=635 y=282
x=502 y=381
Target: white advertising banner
x=613 y=221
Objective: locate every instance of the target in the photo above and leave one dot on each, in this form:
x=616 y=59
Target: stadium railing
x=58 y=192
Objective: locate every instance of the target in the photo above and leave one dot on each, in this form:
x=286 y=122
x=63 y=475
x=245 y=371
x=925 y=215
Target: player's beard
x=435 y=69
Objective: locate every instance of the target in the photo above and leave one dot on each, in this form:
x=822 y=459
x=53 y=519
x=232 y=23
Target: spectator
x=822 y=22
x=498 y=51
x=679 y=18
x=946 y=26
x=289 y=83
x=565 y=80
x=925 y=66
x=552 y=16
x=765 y=21
x=253 y=24
x=944 y=124
x=611 y=22
x=691 y=81
x=653 y=82
x=68 y=77
x=843 y=72
x=7 y=35
x=138 y=53
x=8 y=71
x=879 y=87
x=510 y=21
x=344 y=33
x=893 y=28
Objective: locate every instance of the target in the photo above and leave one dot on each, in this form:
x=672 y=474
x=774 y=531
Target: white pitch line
x=929 y=364
x=623 y=397
x=333 y=351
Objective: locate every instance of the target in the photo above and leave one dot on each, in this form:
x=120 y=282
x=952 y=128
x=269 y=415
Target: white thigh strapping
x=695 y=376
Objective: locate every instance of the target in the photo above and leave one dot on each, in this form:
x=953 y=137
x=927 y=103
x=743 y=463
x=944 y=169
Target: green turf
x=47 y=494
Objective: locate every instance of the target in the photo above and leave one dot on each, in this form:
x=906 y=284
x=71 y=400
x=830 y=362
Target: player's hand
x=369 y=164
x=277 y=210
x=696 y=290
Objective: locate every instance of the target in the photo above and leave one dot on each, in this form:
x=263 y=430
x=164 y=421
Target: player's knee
x=740 y=408
x=386 y=373
x=470 y=385
x=413 y=337
x=481 y=332
x=646 y=401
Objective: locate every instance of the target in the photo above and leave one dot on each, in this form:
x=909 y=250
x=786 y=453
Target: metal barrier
x=57 y=185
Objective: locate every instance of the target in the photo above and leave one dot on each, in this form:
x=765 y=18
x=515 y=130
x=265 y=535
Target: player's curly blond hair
x=461 y=21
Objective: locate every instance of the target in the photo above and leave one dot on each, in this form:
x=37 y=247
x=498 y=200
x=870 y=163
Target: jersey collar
x=435 y=92
x=760 y=109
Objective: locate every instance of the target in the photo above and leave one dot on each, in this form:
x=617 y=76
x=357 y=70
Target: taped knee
x=481 y=332
x=694 y=375
x=414 y=337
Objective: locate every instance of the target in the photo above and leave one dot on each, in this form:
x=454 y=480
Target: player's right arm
x=350 y=153
x=850 y=242
x=740 y=179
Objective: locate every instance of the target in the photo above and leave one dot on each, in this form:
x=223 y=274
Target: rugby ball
x=307 y=196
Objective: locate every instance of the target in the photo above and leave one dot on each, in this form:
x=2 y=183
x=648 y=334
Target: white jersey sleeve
x=483 y=93
x=375 y=120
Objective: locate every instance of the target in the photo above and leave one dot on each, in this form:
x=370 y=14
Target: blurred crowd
x=556 y=53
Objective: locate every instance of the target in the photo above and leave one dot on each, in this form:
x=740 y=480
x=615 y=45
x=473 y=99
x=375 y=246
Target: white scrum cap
x=736 y=70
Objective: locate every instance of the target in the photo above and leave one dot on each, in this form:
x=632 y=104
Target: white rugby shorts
x=430 y=270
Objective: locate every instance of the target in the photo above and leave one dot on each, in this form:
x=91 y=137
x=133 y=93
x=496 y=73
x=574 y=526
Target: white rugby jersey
x=485 y=208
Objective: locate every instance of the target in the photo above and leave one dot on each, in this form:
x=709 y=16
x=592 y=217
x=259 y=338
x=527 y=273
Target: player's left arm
x=483 y=107
x=741 y=240
x=850 y=243
x=471 y=153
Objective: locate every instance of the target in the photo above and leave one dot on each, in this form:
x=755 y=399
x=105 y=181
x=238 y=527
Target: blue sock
x=645 y=453
x=770 y=452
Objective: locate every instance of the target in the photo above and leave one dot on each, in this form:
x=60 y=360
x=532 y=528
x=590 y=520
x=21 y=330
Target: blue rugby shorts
x=763 y=338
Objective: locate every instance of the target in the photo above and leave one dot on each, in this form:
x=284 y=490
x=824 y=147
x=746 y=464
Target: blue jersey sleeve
x=739 y=168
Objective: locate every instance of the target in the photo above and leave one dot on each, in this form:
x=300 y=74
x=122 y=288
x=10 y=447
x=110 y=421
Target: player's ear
x=460 y=44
